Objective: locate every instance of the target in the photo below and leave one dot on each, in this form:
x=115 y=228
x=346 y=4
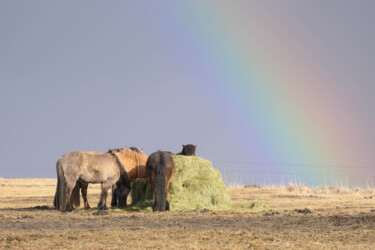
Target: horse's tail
x=159 y=192
x=56 y=202
x=60 y=202
x=74 y=198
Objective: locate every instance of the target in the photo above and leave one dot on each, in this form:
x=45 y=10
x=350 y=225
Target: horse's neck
x=141 y=171
x=134 y=168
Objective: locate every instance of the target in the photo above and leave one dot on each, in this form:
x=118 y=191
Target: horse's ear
x=183 y=145
x=195 y=146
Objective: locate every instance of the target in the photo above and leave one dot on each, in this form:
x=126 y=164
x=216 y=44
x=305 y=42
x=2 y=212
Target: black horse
x=160 y=170
x=188 y=149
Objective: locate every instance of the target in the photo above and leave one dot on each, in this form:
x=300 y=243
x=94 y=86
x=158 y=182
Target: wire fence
x=237 y=173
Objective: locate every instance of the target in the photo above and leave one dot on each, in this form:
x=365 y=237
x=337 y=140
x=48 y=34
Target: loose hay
x=196 y=185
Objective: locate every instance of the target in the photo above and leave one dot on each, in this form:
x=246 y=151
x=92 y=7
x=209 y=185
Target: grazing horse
x=134 y=162
x=84 y=167
x=160 y=170
x=188 y=149
x=84 y=186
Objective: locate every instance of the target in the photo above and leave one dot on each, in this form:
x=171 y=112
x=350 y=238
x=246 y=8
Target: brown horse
x=160 y=170
x=84 y=186
x=88 y=168
x=134 y=163
x=188 y=150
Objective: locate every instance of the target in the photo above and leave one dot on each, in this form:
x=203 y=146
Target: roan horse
x=89 y=168
x=160 y=170
x=188 y=149
x=80 y=185
x=84 y=186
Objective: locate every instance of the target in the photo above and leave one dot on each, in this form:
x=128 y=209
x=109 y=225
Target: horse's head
x=188 y=149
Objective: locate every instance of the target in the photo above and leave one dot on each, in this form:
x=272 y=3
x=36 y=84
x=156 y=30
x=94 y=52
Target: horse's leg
x=114 y=196
x=103 y=196
x=167 y=205
x=84 y=187
x=68 y=192
x=126 y=193
x=166 y=199
x=152 y=183
x=166 y=196
x=168 y=182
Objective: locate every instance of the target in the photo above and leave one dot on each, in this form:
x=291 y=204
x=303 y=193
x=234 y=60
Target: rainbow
x=285 y=106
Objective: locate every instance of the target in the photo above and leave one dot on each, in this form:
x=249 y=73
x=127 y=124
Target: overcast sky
x=93 y=75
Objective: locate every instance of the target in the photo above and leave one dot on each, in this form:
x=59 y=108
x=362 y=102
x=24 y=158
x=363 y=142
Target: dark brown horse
x=188 y=150
x=84 y=167
x=160 y=170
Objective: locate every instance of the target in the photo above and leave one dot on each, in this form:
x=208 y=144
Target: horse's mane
x=127 y=152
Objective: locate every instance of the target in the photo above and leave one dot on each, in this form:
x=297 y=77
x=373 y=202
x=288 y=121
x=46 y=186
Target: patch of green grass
x=249 y=205
x=140 y=206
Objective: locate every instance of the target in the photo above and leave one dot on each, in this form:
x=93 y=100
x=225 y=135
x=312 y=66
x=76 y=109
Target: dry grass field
x=298 y=218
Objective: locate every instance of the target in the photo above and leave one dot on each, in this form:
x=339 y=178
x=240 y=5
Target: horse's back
x=74 y=158
x=89 y=167
x=99 y=167
x=159 y=159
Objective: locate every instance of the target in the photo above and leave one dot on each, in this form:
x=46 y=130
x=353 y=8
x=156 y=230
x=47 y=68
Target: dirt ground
x=297 y=219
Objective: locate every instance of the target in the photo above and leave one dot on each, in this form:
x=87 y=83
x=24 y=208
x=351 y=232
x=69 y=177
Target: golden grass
x=339 y=219
x=306 y=190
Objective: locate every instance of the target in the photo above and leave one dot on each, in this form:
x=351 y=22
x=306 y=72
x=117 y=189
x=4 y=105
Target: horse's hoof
x=167 y=206
x=105 y=208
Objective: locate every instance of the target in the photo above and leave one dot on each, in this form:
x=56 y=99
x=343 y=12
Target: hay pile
x=196 y=185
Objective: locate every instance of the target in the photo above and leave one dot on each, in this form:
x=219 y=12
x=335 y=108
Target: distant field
x=298 y=217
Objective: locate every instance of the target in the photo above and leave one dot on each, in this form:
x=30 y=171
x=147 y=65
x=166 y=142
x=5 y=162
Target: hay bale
x=196 y=185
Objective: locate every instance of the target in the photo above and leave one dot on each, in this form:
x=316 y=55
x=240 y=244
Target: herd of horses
x=115 y=169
